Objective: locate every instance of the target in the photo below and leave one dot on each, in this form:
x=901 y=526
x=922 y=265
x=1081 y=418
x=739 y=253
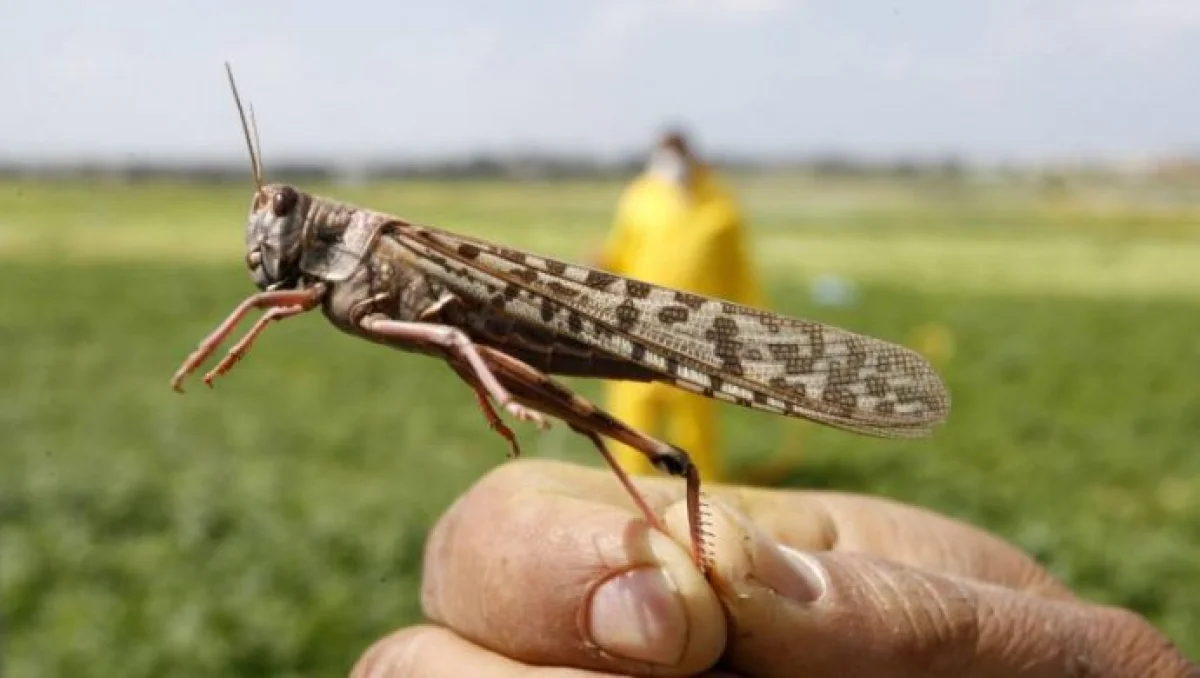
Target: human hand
x=546 y=569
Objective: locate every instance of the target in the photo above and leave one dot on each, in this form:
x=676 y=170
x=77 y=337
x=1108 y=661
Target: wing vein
x=746 y=356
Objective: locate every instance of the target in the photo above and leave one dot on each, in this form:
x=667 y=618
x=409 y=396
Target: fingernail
x=792 y=573
x=786 y=571
x=638 y=615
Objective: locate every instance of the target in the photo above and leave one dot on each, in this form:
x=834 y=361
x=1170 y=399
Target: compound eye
x=284 y=201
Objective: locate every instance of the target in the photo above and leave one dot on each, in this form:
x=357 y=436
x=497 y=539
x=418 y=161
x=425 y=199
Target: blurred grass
x=274 y=526
x=998 y=237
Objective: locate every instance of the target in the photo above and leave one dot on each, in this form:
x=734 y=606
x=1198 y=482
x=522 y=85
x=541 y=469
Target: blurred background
x=1011 y=188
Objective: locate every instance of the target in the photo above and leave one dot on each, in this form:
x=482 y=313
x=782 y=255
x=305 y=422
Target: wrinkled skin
x=543 y=569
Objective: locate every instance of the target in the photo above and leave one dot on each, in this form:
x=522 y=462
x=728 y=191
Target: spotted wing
x=722 y=350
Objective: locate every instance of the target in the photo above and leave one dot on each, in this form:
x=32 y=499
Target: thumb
x=845 y=614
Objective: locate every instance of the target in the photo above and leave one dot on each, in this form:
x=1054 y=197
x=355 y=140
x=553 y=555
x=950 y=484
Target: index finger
x=907 y=535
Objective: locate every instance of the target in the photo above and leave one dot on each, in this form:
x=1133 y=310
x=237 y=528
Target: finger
x=435 y=652
x=831 y=521
x=848 y=614
x=547 y=566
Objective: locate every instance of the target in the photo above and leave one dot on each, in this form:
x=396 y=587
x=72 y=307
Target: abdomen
x=546 y=350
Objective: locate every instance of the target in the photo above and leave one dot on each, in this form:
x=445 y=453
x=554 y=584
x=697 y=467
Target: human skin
x=547 y=570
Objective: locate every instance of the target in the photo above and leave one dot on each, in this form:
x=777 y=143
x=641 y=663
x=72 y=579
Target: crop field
x=274 y=526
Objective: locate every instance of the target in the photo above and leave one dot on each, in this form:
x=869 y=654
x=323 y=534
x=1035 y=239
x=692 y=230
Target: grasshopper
x=508 y=321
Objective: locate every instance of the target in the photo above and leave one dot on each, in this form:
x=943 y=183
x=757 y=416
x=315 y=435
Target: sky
x=986 y=79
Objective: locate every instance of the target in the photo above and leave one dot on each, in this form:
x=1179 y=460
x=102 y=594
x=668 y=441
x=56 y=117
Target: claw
x=522 y=413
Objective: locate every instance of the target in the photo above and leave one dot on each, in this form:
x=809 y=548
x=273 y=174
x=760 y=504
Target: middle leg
x=541 y=392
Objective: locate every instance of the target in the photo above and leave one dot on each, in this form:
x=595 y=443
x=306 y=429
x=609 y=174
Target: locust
x=508 y=322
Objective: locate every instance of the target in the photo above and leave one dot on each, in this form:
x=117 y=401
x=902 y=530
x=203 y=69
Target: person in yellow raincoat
x=677 y=225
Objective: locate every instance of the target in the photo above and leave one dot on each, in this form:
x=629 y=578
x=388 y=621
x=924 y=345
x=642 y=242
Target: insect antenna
x=251 y=145
x=258 y=156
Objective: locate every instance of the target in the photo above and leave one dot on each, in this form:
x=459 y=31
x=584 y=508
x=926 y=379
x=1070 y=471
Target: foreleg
x=305 y=299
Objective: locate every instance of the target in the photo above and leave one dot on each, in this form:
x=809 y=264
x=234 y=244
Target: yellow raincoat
x=692 y=241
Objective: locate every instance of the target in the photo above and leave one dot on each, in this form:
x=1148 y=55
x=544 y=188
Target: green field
x=274 y=526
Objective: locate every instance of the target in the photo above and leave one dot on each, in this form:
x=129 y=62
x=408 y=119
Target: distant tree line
x=536 y=167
